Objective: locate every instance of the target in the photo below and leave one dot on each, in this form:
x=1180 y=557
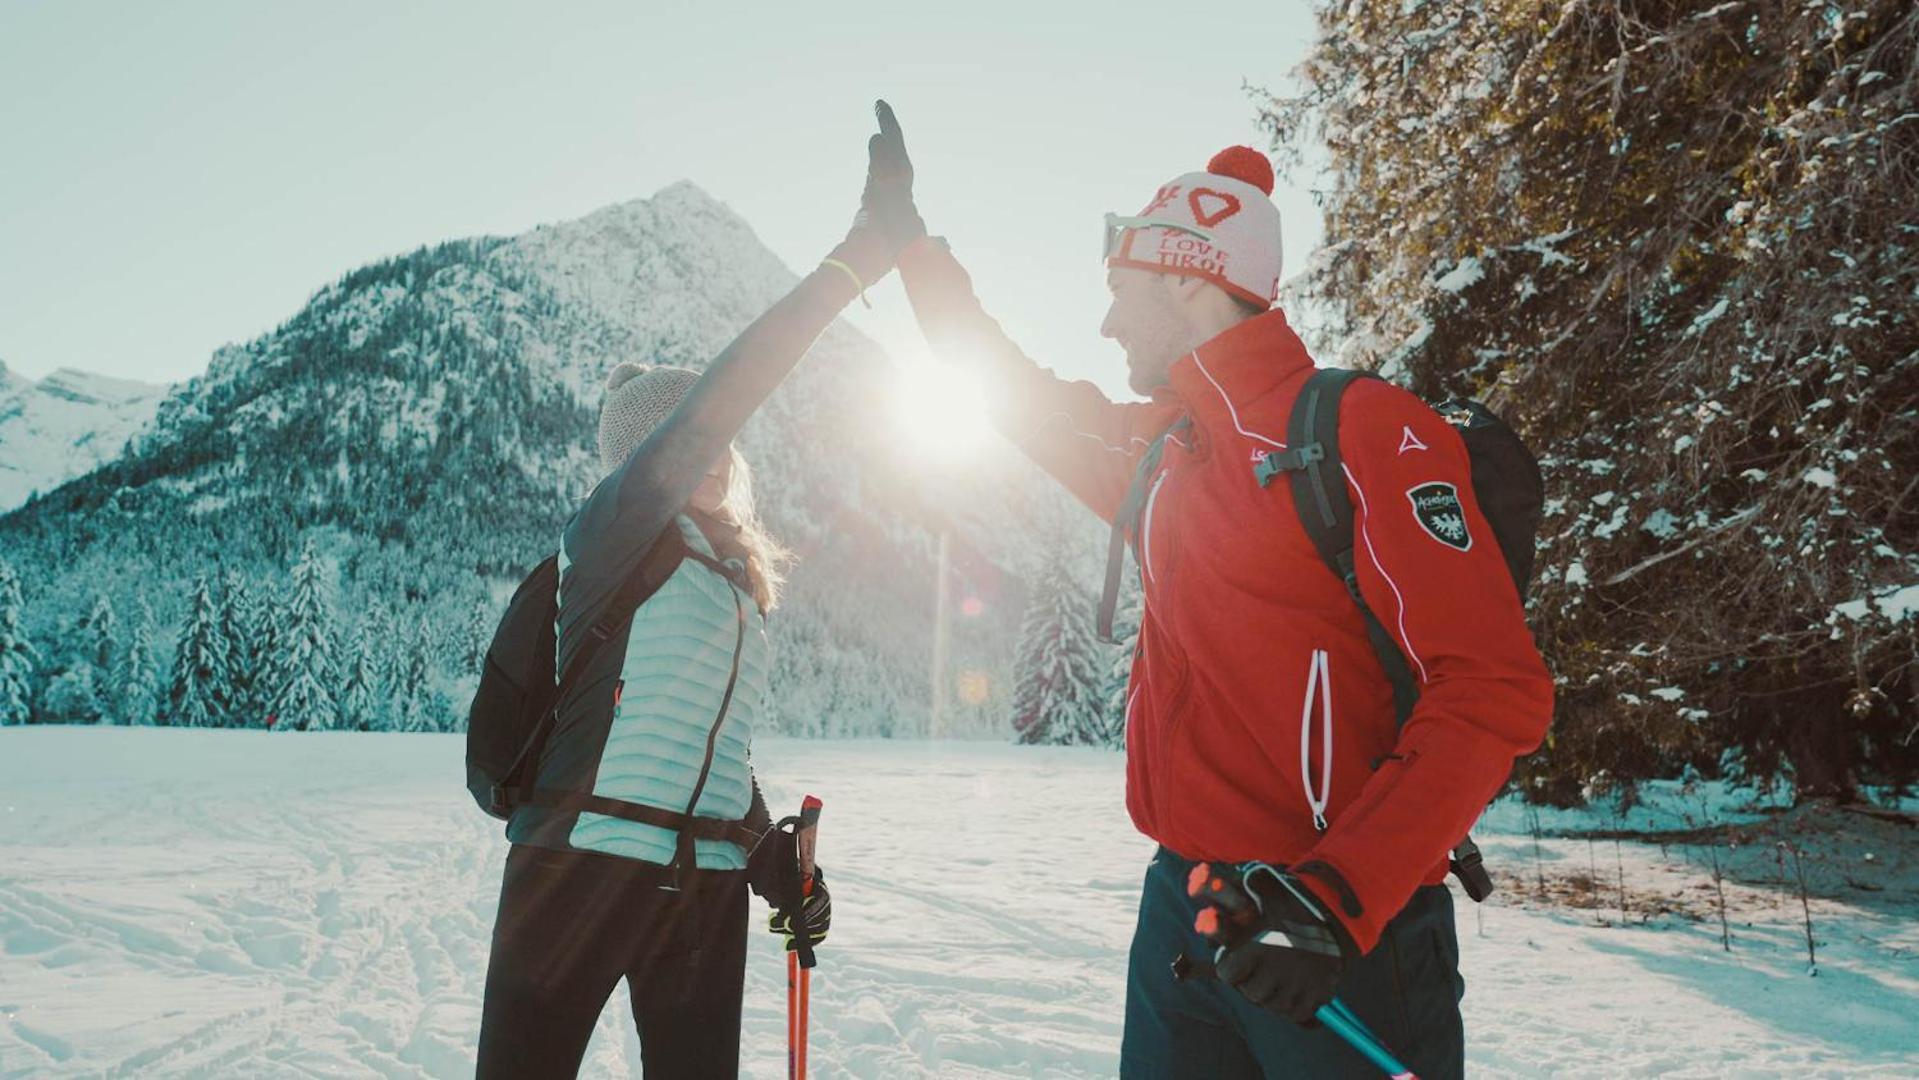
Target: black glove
x=804 y=924
x=886 y=218
x=888 y=198
x=773 y=872
x=1277 y=945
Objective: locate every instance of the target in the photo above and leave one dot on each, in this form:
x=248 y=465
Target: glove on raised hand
x=889 y=182
x=887 y=220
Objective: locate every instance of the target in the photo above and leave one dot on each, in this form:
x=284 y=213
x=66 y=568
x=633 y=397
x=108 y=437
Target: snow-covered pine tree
x=386 y=653
x=17 y=654
x=302 y=665
x=267 y=598
x=1057 y=699
x=72 y=697
x=98 y=635
x=1119 y=661
x=477 y=634
x=134 y=696
x=200 y=665
x=413 y=693
x=362 y=708
x=239 y=628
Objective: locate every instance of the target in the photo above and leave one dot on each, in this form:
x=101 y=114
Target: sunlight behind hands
x=940 y=409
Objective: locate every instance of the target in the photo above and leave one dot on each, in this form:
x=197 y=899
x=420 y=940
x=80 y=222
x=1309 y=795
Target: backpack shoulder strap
x=658 y=564
x=1312 y=461
x=1123 y=522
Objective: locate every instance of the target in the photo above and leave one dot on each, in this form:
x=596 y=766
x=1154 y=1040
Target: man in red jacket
x=1260 y=725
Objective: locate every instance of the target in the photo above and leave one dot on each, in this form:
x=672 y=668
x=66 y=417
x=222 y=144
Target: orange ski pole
x=799 y=962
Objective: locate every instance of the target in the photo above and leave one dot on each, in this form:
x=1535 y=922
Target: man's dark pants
x=1407 y=990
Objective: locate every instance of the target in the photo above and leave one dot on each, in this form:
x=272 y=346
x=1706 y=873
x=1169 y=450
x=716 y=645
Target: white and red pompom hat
x=1220 y=225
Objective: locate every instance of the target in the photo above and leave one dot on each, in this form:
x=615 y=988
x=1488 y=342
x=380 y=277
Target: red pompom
x=1243 y=163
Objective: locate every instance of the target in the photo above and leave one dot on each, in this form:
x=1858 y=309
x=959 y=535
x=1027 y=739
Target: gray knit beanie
x=638 y=397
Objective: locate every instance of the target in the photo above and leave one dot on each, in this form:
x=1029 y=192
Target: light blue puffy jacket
x=636 y=729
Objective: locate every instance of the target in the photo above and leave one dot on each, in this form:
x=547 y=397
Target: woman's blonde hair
x=640 y=396
x=766 y=558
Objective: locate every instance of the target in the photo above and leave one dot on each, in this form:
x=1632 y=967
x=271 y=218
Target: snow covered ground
x=256 y=904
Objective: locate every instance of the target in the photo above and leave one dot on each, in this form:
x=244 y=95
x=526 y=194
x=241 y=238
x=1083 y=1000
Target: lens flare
x=941 y=409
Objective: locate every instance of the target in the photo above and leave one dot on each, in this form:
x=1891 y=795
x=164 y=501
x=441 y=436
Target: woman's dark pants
x=572 y=924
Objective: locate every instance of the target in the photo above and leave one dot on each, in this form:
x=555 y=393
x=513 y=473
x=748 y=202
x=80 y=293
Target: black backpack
x=514 y=709
x=1507 y=484
x=1506 y=480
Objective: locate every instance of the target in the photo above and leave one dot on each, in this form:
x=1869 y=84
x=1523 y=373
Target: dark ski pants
x=572 y=924
x=1406 y=990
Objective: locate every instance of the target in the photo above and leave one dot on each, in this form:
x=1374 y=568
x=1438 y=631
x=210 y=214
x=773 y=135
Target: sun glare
x=941 y=409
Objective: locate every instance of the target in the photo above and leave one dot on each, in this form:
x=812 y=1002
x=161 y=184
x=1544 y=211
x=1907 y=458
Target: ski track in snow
x=255 y=904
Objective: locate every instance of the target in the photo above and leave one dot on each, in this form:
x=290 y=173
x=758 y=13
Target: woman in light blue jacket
x=634 y=859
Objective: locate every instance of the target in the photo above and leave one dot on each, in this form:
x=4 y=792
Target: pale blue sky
x=178 y=176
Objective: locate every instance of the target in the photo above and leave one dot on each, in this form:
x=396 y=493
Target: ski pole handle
x=1221 y=896
x=1216 y=891
x=805 y=839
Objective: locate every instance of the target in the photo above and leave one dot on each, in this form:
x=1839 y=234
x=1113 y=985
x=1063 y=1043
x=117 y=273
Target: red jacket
x=1251 y=654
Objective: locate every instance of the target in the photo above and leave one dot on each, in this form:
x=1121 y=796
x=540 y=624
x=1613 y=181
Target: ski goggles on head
x=1117 y=225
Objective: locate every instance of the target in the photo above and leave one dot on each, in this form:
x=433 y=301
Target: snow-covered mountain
x=429 y=421
x=64 y=425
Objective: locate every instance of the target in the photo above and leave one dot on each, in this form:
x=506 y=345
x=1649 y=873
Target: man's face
x=1147 y=320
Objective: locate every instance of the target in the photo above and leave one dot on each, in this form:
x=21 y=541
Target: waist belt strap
x=697 y=828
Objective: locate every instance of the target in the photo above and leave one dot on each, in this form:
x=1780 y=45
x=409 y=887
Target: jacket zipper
x=683 y=847
x=1319 y=691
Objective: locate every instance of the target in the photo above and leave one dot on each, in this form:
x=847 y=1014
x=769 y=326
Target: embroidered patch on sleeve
x=1436 y=505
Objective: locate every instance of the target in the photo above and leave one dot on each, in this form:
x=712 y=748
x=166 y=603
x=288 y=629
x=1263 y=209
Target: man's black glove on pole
x=1277 y=945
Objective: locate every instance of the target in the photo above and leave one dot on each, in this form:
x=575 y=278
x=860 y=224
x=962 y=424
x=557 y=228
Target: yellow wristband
x=858 y=285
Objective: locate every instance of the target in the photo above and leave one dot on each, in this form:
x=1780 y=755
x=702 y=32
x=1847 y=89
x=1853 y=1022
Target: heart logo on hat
x=1223 y=206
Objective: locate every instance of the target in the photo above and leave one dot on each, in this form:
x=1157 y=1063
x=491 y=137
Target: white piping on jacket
x=1366 y=534
x=1074 y=430
x=1230 y=411
x=1146 y=525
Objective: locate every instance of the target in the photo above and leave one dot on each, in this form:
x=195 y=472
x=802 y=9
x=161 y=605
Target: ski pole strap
x=1125 y=521
x=802 y=940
